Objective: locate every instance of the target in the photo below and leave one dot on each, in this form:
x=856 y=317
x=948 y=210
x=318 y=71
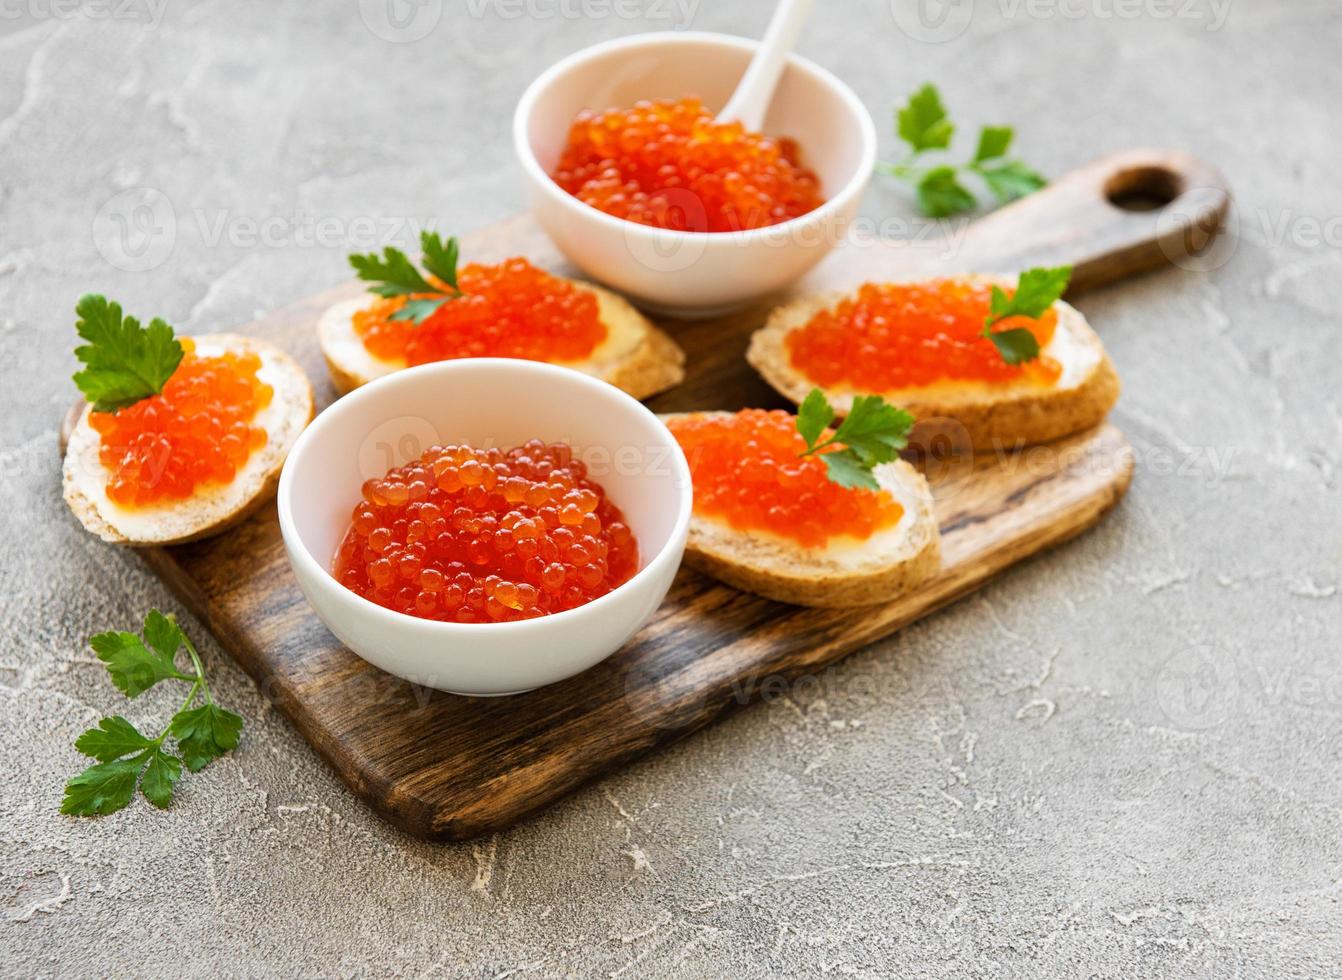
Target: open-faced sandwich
x=512 y=309
x=788 y=508
x=1009 y=362
x=181 y=437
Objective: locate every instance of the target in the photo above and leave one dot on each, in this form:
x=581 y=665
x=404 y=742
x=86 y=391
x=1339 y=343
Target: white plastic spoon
x=750 y=102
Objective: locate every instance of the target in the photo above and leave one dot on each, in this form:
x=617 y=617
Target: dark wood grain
x=449 y=767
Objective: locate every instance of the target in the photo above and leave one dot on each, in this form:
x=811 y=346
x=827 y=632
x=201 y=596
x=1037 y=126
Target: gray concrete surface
x=1122 y=758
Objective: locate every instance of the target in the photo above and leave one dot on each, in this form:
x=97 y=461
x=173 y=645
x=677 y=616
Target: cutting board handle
x=1124 y=213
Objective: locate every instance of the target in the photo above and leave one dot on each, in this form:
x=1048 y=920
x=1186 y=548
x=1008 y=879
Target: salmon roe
x=747 y=472
x=512 y=309
x=671 y=165
x=897 y=335
x=481 y=535
x=196 y=431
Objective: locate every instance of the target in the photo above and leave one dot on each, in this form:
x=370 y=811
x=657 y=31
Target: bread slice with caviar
x=1077 y=392
x=843 y=569
x=882 y=568
x=129 y=373
x=633 y=355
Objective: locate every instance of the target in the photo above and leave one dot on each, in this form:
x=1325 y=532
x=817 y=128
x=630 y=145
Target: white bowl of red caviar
x=689 y=272
x=383 y=504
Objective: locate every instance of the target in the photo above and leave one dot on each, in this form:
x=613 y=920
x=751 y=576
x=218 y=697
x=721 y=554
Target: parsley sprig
x=1036 y=291
x=395 y=275
x=125 y=756
x=924 y=125
x=124 y=362
x=873 y=432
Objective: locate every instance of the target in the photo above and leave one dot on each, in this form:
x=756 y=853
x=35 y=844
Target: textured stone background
x=1122 y=757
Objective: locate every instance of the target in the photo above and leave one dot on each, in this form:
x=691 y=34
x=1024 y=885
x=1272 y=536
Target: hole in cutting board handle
x=1143 y=188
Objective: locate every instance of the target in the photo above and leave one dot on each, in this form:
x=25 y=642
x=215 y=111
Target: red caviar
x=197 y=431
x=747 y=471
x=898 y=335
x=512 y=309
x=671 y=165
x=481 y=535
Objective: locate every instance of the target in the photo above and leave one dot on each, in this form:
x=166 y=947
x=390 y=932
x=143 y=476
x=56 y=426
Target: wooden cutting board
x=448 y=767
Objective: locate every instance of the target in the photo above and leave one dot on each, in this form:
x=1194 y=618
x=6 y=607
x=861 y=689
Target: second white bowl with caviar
x=689 y=273
x=486 y=404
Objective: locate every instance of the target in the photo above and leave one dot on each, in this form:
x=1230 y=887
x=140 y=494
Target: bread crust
x=656 y=365
x=651 y=365
x=988 y=420
x=343 y=380
x=786 y=572
x=191 y=520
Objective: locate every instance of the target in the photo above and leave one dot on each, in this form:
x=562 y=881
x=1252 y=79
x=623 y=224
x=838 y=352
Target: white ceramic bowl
x=484 y=402
x=687 y=273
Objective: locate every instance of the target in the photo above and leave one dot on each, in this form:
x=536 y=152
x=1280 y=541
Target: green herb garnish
x=924 y=125
x=873 y=433
x=395 y=275
x=1036 y=291
x=125 y=362
x=126 y=757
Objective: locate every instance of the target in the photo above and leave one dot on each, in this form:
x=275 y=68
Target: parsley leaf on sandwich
x=1036 y=291
x=873 y=433
x=124 y=361
x=393 y=274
